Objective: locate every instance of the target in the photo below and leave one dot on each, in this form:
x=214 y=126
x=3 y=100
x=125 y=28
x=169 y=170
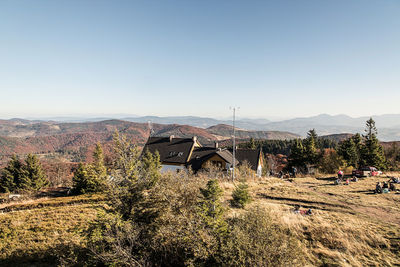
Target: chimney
x=215 y=144
x=171 y=137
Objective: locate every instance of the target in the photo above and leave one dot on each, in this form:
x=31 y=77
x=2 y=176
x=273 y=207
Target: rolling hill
x=388 y=124
x=22 y=137
x=226 y=130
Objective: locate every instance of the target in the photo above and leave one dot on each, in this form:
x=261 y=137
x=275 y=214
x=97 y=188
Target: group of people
x=281 y=174
x=297 y=210
x=394 y=180
x=340 y=178
x=386 y=187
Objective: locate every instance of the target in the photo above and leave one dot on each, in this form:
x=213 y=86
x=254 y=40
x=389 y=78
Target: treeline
x=284 y=147
x=356 y=151
x=328 y=155
x=392 y=154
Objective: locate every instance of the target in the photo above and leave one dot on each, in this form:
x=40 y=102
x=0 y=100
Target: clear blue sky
x=271 y=58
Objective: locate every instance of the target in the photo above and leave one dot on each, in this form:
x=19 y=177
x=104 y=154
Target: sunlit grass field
x=349 y=225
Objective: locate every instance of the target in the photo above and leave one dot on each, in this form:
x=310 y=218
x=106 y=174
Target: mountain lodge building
x=183 y=153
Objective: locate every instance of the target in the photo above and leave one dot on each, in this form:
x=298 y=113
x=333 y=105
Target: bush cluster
x=185 y=224
x=26 y=175
x=179 y=220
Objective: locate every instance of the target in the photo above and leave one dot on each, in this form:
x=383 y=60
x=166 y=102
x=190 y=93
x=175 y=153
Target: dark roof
x=171 y=150
x=201 y=154
x=252 y=156
x=227 y=156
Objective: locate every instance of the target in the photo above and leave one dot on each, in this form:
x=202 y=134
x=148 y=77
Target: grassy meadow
x=349 y=225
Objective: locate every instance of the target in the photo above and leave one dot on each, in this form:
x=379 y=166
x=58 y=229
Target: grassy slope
x=32 y=235
x=350 y=226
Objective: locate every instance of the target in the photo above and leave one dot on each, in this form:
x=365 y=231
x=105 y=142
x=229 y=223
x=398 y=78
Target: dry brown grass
x=350 y=225
x=32 y=233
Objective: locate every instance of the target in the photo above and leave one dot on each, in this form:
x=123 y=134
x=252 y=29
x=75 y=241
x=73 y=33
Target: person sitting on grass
x=392 y=187
x=378 y=189
x=340 y=174
x=385 y=185
x=294 y=170
x=296 y=209
x=395 y=180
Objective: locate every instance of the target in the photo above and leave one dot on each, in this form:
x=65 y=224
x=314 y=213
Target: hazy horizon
x=122 y=116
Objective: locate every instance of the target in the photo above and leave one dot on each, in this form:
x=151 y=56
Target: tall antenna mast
x=234 y=142
x=150 y=125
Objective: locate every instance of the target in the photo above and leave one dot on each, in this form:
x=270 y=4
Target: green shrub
x=91 y=178
x=256 y=240
x=240 y=196
x=87 y=180
x=176 y=220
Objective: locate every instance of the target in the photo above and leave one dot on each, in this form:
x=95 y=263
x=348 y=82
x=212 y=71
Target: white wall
x=173 y=168
x=259 y=171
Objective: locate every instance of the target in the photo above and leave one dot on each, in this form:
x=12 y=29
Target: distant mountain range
x=23 y=136
x=77 y=137
x=388 y=125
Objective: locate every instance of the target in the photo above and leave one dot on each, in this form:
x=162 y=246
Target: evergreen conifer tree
x=252 y=144
x=151 y=166
x=310 y=148
x=297 y=155
x=372 y=153
x=358 y=142
x=349 y=152
x=81 y=184
x=241 y=195
x=12 y=175
x=92 y=177
x=34 y=178
x=19 y=176
x=98 y=165
x=127 y=163
x=210 y=207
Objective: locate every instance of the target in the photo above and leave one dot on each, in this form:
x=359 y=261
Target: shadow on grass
x=61 y=255
x=366 y=192
x=326 y=178
x=302 y=201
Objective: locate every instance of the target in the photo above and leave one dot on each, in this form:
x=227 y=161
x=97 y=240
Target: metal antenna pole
x=234 y=144
x=150 y=125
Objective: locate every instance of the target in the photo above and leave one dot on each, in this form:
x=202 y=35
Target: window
x=217 y=163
